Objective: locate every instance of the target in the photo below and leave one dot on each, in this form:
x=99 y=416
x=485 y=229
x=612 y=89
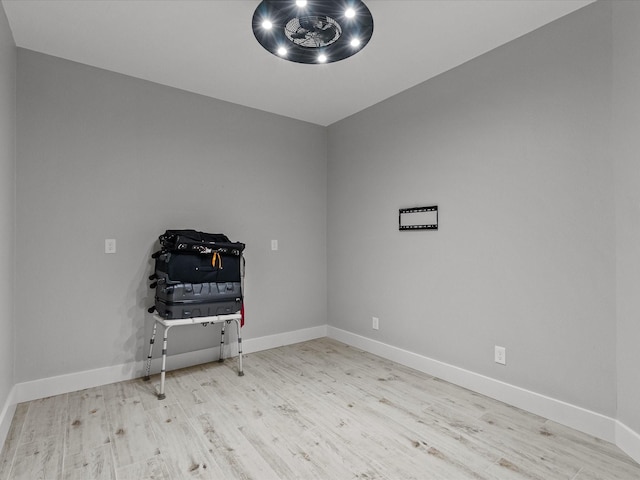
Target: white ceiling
x=207 y=47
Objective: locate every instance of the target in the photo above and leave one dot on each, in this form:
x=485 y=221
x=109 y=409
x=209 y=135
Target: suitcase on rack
x=191 y=256
x=197 y=274
x=194 y=268
x=176 y=310
x=185 y=300
x=199 y=292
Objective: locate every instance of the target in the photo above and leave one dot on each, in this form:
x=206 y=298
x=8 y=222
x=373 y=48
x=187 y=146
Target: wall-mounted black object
x=313 y=31
x=418 y=218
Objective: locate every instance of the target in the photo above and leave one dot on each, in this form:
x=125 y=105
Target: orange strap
x=216 y=258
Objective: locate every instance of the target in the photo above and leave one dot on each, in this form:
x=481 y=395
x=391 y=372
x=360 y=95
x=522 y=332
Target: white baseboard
x=572 y=416
x=6 y=415
x=46 y=387
x=628 y=441
x=280 y=339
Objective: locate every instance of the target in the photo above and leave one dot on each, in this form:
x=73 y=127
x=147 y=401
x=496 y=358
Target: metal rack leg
x=151 y=342
x=240 y=371
x=161 y=395
x=221 y=359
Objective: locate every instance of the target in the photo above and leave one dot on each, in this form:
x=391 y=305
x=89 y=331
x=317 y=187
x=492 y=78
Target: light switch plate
x=110 y=245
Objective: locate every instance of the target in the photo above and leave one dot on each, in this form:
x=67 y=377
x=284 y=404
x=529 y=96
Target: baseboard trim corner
x=573 y=416
x=628 y=441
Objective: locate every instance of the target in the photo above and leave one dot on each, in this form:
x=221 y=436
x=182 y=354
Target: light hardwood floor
x=314 y=410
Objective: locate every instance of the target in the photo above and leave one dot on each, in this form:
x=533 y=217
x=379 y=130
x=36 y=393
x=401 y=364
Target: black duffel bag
x=193 y=241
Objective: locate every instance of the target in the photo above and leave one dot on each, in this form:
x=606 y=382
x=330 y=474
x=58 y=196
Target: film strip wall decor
x=418 y=218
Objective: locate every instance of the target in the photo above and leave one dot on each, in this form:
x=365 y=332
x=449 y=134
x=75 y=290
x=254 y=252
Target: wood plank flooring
x=314 y=410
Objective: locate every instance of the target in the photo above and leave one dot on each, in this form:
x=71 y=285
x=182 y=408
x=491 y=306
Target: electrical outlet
x=375 y=323
x=500 y=355
x=274 y=245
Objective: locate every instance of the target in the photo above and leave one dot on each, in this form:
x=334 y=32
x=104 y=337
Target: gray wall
x=7 y=203
x=103 y=155
x=514 y=149
x=626 y=144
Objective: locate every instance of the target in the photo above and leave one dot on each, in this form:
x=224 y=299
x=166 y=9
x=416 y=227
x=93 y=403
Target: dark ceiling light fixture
x=308 y=31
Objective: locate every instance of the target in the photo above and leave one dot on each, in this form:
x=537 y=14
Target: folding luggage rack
x=167 y=324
